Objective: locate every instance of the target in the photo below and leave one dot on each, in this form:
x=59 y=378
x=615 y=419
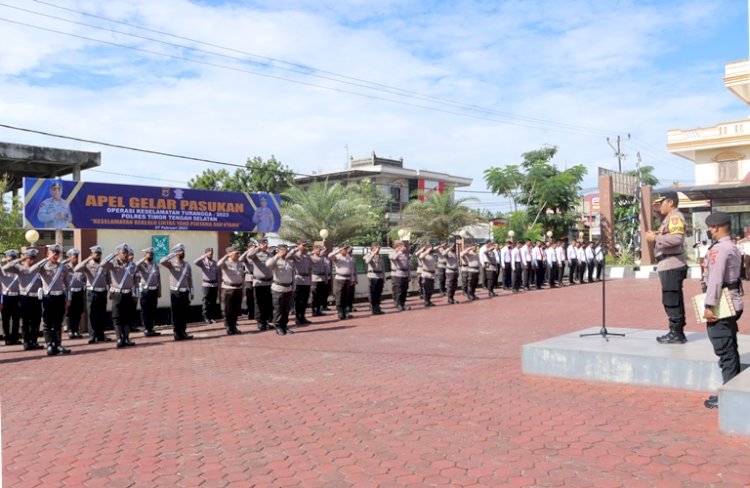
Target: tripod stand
x=603 y=332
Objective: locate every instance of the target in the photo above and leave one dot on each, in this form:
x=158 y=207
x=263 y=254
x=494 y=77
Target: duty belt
x=232 y=285
x=662 y=257
x=55 y=293
x=76 y=289
x=344 y=275
x=282 y=284
x=731 y=286
x=124 y=291
x=11 y=294
x=304 y=275
x=95 y=289
x=174 y=288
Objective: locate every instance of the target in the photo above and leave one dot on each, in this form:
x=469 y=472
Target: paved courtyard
x=421 y=398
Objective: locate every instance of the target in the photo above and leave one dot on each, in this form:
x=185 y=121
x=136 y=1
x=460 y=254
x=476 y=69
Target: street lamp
x=32 y=236
x=511 y=233
x=323 y=233
x=549 y=234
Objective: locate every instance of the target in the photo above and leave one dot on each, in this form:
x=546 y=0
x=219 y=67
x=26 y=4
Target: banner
x=57 y=204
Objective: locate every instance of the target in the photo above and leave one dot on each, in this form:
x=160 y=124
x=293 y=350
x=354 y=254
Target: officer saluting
x=31 y=307
x=281 y=289
x=233 y=277
x=376 y=277
x=96 y=294
x=124 y=292
x=149 y=280
x=210 y=276
x=671 y=265
x=723 y=265
x=54 y=296
x=11 y=302
x=181 y=290
x=77 y=294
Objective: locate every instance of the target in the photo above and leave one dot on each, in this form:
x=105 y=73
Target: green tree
x=269 y=176
x=439 y=215
x=352 y=213
x=628 y=211
x=647 y=176
x=518 y=222
x=548 y=194
x=11 y=220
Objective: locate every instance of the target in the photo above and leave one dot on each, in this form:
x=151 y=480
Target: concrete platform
x=637 y=359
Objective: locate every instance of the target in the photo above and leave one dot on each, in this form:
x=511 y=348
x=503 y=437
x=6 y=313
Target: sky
x=449 y=86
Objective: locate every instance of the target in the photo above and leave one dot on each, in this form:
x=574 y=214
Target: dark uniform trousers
x=11 y=318
x=672 y=297
x=465 y=282
x=451 y=283
x=319 y=296
x=723 y=336
x=123 y=314
x=507 y=276
x=581 y=271
x=429 y=288
x=210 y=295
x=517 y=276
x=97 y=305
x=376 y=292
x=232 y=299
x=75 y=311
x=400 y=289
x=527 y=276
x=590 y=271
x=180 y=306
x=250 y=299
x=31 y=312
x=491 y=276
x=264 y=309
x=53 y=313
x=599 y=268
x=539 y=277
x=282 y=304
x=572 y=271
x=301 y=297
x=553 y=275
x=149 y=301
x=473 y=283
x=341 y=290
x=440 y=275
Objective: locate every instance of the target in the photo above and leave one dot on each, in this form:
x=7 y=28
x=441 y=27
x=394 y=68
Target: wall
x=706 y=170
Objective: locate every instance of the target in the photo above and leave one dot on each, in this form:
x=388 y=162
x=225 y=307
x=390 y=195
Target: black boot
x=672 y=337
x=711 y=402
x=126 y=335
x=60 y=348
x=120 y=336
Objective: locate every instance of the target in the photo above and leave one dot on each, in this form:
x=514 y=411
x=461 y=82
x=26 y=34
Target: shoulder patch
x=712 y=256
x=676 y=225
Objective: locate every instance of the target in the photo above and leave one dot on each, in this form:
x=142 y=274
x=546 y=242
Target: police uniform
x=149 y=281
x=472 y=268
x=400 y=270
x=451 y=271
x=429 y=268
x=344 y=274
x=302 y=282
x=517 y=260
x=672 y=268
x=249 y=292
x=320 y=268
x=552 y=268
x=124 y=292
x=29 y=284
x=180 y=290
x=505 y=262
x=376 y=278
x=54 y=293
x=723 y=265
x=262 y=281
x=210 y=280
x=281 y=290
x=440 y=275
x=77 y=287
x=11 y=302
x=526 y=259
x=54 y=213
x=490 y=269
x=232 y=282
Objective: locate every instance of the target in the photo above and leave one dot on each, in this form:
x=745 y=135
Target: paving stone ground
x=420 y=398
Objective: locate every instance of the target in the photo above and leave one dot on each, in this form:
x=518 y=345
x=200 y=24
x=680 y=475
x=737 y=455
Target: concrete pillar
x=83 y=239
x=223 y=240
x=647 y=221
x=76 y=173
x=607 y=213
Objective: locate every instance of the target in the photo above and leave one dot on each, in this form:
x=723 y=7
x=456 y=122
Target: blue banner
x=58 y=204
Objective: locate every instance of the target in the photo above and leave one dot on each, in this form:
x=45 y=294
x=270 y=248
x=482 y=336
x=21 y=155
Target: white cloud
x=583 y=63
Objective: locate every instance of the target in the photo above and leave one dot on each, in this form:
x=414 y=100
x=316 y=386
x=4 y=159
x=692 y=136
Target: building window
x=728 y=171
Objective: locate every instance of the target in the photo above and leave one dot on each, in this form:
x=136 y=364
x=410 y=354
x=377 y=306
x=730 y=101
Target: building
x=402 y=184
x=721 y=155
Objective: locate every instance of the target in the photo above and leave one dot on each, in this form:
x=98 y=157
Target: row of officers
x=273 y=281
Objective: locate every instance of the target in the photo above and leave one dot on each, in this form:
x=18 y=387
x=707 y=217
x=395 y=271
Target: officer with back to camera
x=149 y=280
x=722 y=272
x=671 y=265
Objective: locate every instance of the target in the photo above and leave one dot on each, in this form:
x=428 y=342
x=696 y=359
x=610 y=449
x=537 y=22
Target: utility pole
x=618 y=152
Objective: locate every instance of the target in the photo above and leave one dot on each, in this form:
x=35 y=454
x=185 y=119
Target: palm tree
x=439 y=215
x=352 y=213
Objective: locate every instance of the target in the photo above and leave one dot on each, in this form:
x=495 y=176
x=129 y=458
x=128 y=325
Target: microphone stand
x=603 y=332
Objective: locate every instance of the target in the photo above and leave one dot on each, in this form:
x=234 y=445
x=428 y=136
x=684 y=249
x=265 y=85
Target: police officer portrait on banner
x=54 y=212
x=263 y=216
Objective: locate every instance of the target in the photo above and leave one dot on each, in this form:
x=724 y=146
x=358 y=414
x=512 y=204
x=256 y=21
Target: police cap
x=148 y=250
x=56 y=248
x=179 y=247
x=668 y=195
x=96 y=249
x=717 y=219
x=72 y=252
x=11 y=253
x=31 y=252
x=231 y=250
x=123 y=248
x=56 y=184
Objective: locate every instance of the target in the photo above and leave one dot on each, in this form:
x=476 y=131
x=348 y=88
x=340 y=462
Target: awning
x=726 y=194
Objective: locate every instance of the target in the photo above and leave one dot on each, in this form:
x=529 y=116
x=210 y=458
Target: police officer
x=302 y=281
x=321 y=274
x=490 y=267
x=77 y=287
x=472 y=266
x=722 y=272
x=247 y=265
x=54 y=212
x=440 y=275
x=262 y=281
x=210 y=278
x=54 y=295
x=97 y=289
x=149 y=281
x=400 y=270
x=29 y=285
x=375 y=276
x=281 y=288
x=124 y=292
x=671 y=265
x=451 y=270
x=11 y=301
x=429 y=268
x=517 y=266
x=506 y=261
x=181 y=290
x=344 y=274
x=232 y=282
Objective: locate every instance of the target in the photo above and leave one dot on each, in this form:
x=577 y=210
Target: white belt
x=177 y=289
x=76 y=289
x=11 y=294
x=125 y=291
x=95 y=289
x=55 y=293
x=152 y=287
x=33 y=294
